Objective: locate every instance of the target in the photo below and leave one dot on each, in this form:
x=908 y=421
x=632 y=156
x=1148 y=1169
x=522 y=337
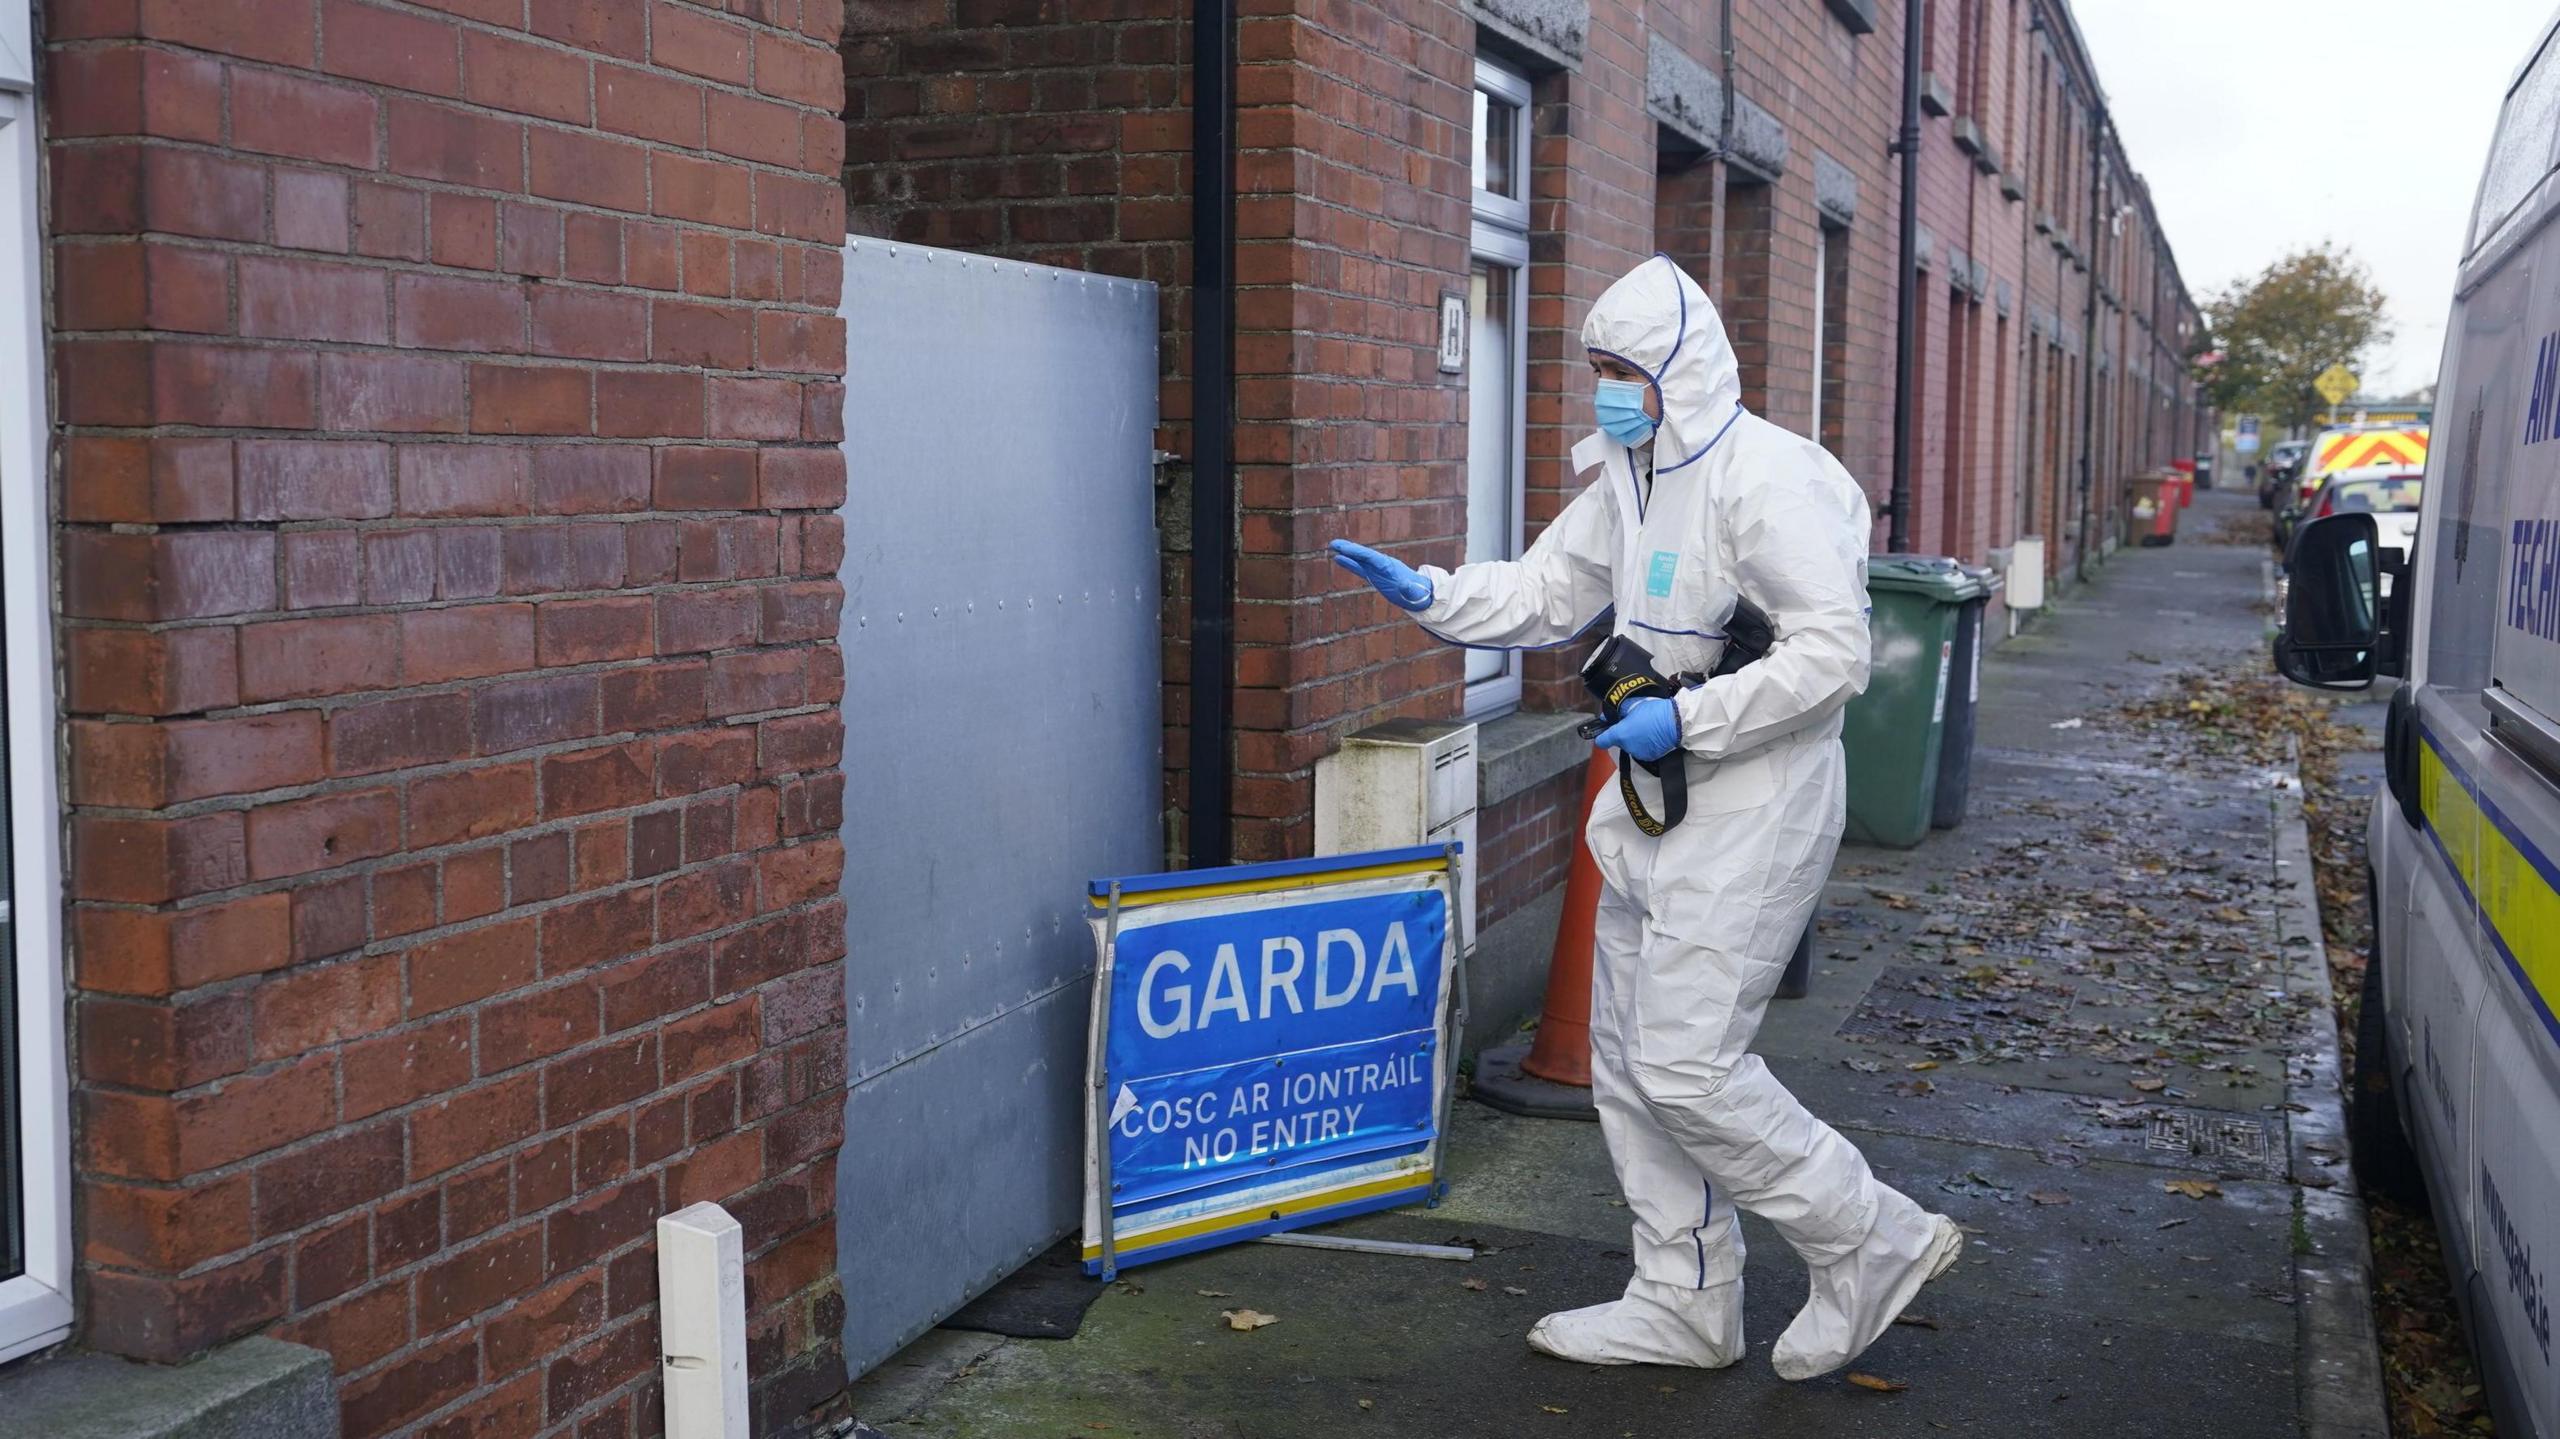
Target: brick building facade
x=431 y=508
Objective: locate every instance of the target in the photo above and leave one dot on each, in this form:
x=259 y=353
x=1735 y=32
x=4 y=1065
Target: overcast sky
x=2265 y=127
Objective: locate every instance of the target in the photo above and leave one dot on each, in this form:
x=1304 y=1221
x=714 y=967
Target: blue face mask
x=1620 y=404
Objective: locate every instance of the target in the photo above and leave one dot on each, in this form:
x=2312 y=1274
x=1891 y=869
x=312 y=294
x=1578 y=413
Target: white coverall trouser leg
x=1696 y=1125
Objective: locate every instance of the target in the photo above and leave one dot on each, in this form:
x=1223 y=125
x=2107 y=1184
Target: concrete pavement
x=2087 y=1024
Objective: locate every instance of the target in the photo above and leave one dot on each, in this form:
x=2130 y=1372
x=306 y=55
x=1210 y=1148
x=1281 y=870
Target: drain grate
x=2224 y=1138
x=1941 y=1007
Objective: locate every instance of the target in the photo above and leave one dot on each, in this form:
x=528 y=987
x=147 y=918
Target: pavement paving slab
x=2086 y=1024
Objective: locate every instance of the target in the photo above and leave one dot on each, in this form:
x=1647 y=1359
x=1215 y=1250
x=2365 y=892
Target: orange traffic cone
x=1562 y=1053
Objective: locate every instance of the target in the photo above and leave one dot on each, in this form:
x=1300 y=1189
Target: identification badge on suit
x=1659 y=574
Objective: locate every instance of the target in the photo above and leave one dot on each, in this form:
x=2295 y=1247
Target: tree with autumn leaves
x=2279 y=329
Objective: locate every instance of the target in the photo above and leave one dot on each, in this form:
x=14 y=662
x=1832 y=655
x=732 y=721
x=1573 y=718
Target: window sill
x=1518 y=752
x=262 y=1387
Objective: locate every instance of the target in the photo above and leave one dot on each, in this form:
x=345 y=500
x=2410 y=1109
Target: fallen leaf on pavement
x=1368 y=1403
x=2193 y=1188
x=1555 y=1408
x=1477 y=1285
x=2048 y=1196
x=1514 y=1289
x=1921 y=1065
x=1248 y=1320
x=2151 y=1086
x=1212 y=1293
x=1881 y=1386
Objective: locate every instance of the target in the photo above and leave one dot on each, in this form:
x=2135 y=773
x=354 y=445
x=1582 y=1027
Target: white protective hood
x=1657 y=319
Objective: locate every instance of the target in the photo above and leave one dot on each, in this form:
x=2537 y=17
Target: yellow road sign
x=2335 y=384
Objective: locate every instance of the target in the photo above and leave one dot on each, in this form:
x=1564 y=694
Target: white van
x=2457 y=1090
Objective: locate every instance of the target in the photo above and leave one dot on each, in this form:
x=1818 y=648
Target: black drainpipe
x=1213 y=485
x=1907 y=145
x=2089 y=341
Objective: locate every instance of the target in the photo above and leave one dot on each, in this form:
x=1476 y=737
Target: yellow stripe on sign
x=1127 y=1244
x=2519 y=898
x=1272 y=885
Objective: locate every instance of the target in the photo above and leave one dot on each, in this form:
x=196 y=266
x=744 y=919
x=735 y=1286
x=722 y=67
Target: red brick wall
x=1839 y=94
x=448 y=397
x=1532 y=834
x=1056 y=132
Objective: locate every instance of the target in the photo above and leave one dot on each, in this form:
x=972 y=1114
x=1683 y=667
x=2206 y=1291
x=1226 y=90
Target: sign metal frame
x=1250 y=1213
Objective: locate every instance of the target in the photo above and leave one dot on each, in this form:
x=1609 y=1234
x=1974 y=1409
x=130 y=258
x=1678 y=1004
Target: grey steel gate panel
x=1003 y=744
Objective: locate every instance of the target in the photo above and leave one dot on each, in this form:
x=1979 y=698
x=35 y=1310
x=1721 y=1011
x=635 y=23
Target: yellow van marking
x=2514 y=884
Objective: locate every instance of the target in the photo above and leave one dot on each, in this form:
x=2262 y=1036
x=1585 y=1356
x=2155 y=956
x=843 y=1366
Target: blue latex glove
x=1648 y=730
x=1392 y=577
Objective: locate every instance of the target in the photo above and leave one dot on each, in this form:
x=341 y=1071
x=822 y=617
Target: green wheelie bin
x=1894 y=731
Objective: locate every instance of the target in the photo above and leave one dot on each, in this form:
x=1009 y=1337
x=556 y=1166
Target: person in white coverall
x=1691 y=500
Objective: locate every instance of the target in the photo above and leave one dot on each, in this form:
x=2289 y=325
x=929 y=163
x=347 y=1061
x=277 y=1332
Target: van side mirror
x=2333 y=614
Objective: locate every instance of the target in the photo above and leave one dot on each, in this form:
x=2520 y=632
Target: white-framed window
x=1821 y=324
x=35 y=1121
x=1497 y=357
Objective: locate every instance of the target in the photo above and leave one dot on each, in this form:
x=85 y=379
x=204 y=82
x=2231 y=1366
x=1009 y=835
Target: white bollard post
x=702 y=1323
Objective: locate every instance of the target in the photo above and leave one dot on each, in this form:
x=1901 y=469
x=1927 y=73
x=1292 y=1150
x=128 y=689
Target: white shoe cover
x=1857 y=1298
x=1653 y=1324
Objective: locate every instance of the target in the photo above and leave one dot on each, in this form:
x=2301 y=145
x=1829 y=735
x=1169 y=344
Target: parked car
x=2456 y=1094
x=2282 y=464
x=2388 y=493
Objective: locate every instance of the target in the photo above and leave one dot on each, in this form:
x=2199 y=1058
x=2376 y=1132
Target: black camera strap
x=1621 y=671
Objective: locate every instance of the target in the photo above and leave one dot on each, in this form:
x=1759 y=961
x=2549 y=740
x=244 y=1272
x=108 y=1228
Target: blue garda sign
x=1270 y=1049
